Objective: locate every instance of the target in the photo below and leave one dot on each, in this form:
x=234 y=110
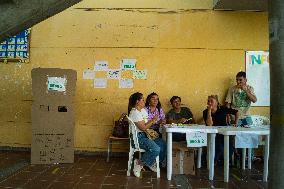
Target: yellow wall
x=188 y=50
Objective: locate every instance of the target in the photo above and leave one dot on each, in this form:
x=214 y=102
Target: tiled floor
x=94 y=172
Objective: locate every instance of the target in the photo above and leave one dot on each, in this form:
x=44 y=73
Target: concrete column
x=276 y=50
x=18 y=15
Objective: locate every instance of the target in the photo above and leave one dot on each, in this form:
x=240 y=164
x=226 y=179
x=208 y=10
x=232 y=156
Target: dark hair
x=241 y=74
x=133 y=99
x=173 y=98
x=159 y=106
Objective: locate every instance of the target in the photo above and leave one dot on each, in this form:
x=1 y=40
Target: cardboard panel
x=53 y=84
x=53 y=116
x=52 y=147
x=183 y=159
x=188 y=162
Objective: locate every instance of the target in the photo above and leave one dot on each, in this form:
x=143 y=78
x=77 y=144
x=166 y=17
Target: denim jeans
x=152 y=148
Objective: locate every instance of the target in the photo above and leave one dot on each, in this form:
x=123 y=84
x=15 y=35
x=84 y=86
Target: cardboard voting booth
x=52 y=115
x=183 y=159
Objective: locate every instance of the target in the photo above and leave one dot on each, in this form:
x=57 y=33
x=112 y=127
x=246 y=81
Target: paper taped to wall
x=139 y=74
x=113 y=74
x=100 y=83
x=101 y=65
x=128 y=64
x=125 y=83
x=56 y=84
x=89 y=74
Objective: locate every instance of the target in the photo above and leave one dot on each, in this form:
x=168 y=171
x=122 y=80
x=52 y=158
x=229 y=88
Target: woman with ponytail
x=153 y=148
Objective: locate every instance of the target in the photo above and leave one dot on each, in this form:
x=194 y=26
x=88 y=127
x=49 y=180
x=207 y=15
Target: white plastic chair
x=134 y=147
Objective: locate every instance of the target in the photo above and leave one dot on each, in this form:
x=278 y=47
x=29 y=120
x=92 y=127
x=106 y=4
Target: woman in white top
x=152 y=148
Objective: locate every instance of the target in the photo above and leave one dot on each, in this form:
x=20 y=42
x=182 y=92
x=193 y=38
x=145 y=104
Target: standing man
x=239 y=97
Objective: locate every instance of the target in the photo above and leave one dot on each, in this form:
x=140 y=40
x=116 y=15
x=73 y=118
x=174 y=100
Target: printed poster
x=16 y=46
x=257 y=69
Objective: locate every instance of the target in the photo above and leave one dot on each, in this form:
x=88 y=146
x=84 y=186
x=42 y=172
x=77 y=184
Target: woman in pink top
x=154 y=108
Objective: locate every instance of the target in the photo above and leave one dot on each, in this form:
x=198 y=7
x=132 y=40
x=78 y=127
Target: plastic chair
x=114 y=140
x=134 y=147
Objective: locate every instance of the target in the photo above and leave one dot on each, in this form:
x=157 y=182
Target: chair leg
x=244 y=153
x=199 y=157
x=233 y=159
x=158 y=167
x=109 y=148
x=130 y=160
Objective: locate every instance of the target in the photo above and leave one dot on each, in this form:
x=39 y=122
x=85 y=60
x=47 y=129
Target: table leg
x=226 y=158
x=169 y=155
x=109 y=148
x=244 y=153
x=249 y=158
x=208 y=150
x=266 y=157
x=199 y=157
x=212 y=156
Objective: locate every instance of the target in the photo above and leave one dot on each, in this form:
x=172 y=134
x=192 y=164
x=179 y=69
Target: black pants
x=178 y=137
x=219 y=147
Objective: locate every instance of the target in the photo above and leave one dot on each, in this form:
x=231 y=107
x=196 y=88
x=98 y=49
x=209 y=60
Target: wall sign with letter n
x=196 y=139
x=257 y=69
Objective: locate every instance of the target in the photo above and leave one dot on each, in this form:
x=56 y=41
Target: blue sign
x=16 y=46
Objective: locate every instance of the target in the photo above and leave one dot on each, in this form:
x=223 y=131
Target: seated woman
x=152 y=148
x=154 y=108
x=179 y=114
x=216 y=115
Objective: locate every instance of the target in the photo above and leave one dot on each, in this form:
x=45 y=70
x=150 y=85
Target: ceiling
x=18 y=15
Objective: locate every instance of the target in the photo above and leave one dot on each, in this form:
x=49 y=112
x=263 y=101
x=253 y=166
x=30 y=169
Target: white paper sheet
x=139 y=74
x=126 y=83
x=89 y=74
x=196 y=139
x=128 y=64
x=244 y=140
x=113 y=74
x=56 y=84
x=100 y=83
x=101 y=65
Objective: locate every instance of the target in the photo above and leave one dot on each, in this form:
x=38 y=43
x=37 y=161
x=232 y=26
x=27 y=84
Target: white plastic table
x=211 y=133
x=229 y=130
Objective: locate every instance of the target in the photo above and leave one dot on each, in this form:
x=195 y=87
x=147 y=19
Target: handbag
x=152 y=134
x=121 y=127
